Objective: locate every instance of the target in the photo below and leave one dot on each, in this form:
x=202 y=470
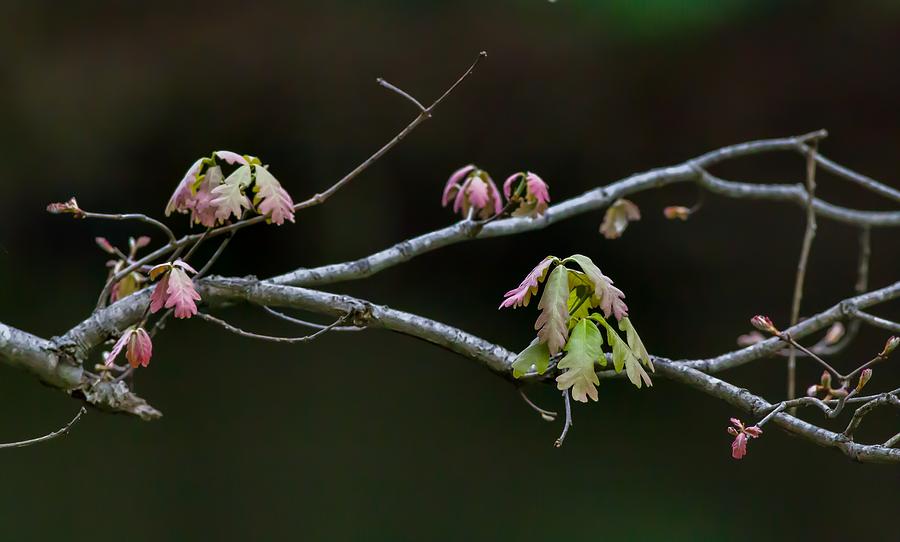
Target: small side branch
x=285 y=340
x=305 y=323
x=45 y=438
x=861 y=412
x=876 y=321
x=808 y=236
x=134 y=216
x=568 y=422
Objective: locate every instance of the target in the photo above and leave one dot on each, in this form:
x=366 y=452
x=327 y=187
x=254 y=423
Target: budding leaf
x=536 y=355
x=181 y=293
x=520 y=296
x=608 y=297
x=617 y=217
x=229 y=198
x=271 y=199
x=623 y=356
x=584 y=348
x=551 y=323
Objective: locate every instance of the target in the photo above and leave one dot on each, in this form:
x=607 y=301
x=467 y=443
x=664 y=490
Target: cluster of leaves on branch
x=474 y=193
x=578 y=300
x=212 y=199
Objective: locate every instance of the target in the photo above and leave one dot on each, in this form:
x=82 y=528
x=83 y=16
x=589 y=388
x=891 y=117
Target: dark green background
x=373 y=436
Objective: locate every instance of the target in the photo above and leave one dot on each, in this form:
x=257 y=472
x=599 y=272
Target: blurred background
x=375 y=436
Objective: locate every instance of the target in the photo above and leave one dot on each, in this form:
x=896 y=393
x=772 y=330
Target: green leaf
x=551 y=323
x=609 y=298
x=623 y=356
x=582 y=351
x=635 y=343
x=580 y=304
x=536 y=355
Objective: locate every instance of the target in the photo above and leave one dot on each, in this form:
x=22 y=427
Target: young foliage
x=137 y=345
x=175 y=289
x=271 y=200
x=607 y=297
x=229 y=198
x=536 y=355
x=617 y=217
x=529 y=191
x=583 y=350
x=567 y=319
x=742 y=436
x=472 y=189
x=551 y=325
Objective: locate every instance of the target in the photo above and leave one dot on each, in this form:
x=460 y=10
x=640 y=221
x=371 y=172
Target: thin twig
x=401 y=92
x=808 y=236
x=212 y=259
x=861 y=412
x=45 y=438
x=546 y=415
x=786 y=337
x=286 y=340
x=304 y=323
x=568 y=423
x=134 y=216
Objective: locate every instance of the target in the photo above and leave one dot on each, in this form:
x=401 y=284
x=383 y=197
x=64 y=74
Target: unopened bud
x=890 y=346
x=66 y=207
x=104 y=245
x=825 y=381
x=813 y=390
x=677 y=213
x=763 y=323
x=863 y=379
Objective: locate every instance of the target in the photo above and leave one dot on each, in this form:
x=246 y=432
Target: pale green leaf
x=229 y=198
x=635 y=343
x=624 y=356
x=536 y=355
x=583 y=350
x=609 y=298
x=551 y=323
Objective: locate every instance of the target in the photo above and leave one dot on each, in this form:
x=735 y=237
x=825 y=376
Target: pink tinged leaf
x=538 y=188
x=160 y=294
x=181 y=197
x=231 y=157
x=609 y=298
x=551 y=323
x=521 y=295
x=140 y=348
x=229 y=198
x=181 y=294
x=737 y=423
x=739 y=446
x=478 y=193
x=453 y=183
x=117 y=349
x=510 y=183
x=203 y=211
x=104 y=245
x=753 y=431
x=184 y=265
x=272 y=199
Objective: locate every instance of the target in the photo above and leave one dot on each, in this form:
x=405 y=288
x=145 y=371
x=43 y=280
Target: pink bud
x=140 y=348
x=825 y=380
x=763 y=323
x=813 y=390
x=66 y=207
x=890 y=346
x=754 y=431
x=104 y=245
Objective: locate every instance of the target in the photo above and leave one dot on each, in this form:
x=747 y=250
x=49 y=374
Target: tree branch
x=45 y=438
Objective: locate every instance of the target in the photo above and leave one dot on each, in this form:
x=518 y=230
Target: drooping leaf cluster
x=576 y=307
x=212 y=199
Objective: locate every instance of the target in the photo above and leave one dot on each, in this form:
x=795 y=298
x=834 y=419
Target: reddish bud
x=763 y=323
x=104 y=245
x=825 y=380
x=677 y=213
x=66 y=207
